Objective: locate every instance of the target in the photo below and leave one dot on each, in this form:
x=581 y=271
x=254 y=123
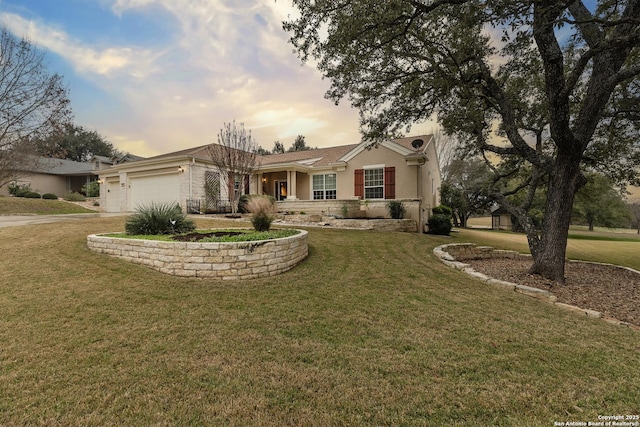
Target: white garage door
x=146 y=190
x=113 y=195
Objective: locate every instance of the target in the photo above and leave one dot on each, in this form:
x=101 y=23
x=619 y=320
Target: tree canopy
x=76 y=143
x=299 y=144
x=544 y=86
x=33 y=104
x=465 y=188
x=599 y=203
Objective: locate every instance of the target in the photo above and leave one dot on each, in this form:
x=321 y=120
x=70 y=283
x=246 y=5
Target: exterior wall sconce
x=100 y=181
x=180 y=169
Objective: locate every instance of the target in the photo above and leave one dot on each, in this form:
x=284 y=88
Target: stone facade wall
x=218 y=260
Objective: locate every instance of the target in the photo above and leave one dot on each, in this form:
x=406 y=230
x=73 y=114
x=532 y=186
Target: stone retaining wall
x=377 y=224
x=220 y=260
x=469 y=251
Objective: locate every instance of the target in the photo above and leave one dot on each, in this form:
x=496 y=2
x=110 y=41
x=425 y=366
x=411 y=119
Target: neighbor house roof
x=53 y=166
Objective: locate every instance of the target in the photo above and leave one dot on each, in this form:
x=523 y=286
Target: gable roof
x=53 y=166
x=312 y=158
x=308 y=159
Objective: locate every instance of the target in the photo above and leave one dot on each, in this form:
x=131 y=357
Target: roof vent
x=417 y=143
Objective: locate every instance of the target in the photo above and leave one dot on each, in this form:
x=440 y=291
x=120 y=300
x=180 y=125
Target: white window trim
x=324 y=189
x=364 y=181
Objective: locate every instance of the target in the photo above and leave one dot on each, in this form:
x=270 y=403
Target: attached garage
x=148 y=189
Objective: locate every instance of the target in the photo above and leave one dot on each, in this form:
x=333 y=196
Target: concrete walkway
x=17 y=220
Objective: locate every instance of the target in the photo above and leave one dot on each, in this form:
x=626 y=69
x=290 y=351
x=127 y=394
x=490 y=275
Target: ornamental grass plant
x=262 y=210
x=159 y=218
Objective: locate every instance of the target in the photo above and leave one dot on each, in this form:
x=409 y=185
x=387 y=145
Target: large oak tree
x=557 y=81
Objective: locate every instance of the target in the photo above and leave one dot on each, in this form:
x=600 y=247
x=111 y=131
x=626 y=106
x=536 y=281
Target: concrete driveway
x=16 y=220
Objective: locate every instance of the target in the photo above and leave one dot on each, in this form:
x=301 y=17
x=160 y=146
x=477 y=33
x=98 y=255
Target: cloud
x=219 y=60
x=105 y=62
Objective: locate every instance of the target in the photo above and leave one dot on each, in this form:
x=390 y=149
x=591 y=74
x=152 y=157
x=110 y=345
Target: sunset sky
x=154 y=76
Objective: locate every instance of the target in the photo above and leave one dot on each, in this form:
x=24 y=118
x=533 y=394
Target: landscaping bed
x=611 y=290
x=193 y=256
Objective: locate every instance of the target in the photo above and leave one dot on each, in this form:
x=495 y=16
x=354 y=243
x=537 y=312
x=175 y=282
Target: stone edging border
x=448 y=259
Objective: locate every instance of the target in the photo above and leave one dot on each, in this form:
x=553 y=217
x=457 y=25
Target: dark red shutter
x=358 y=178
x=390 y=182
x=247 y=190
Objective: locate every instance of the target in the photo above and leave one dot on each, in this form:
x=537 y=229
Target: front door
x=281 y=190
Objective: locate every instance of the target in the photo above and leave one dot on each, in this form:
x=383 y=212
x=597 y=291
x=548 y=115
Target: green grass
x=20 y=205
x=611 y=248
x=370 y=330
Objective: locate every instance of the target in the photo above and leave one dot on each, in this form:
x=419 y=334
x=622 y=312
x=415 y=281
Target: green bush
x=49 y=196
x=92 y=189
x=242 y=203
x=18 y=190
x=32 y=195
x=396 y=209
x=442 y=210
x=440 y=224
x=262 y=209
x=161 y=218
x=74 y=197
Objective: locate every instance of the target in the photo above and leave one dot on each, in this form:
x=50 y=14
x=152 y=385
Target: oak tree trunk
x=550 y=252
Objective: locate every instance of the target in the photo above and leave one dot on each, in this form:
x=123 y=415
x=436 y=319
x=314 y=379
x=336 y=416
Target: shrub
x=262 y=210
x=18 y=190
x=440 y=224
x=49 y=196
x=442 y=210
x=396 y=209
x=92 y=189
x=32 y=195
x=158 y=218
x=344 y=210
x=74 y=197
x=242 y=203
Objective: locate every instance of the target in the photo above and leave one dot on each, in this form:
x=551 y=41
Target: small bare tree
x=33 y=104
x=235 y=156
x=446 y=148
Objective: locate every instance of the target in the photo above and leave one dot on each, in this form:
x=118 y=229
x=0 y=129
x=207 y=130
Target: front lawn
x=370 y=330
x=21 y=205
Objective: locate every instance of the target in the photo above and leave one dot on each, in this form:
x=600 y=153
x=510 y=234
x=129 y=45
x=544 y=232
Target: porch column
x=259 y=184
x=292 y=182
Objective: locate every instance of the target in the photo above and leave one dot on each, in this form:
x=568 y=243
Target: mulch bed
x=611 y=290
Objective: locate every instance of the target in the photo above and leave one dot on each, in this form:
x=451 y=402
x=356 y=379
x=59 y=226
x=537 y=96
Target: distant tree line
x=278 y=147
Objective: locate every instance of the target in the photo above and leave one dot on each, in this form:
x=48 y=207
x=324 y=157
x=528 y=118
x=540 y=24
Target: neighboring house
x=62 y=176
x=356 y=179
x=56 y=176
x=501 y=219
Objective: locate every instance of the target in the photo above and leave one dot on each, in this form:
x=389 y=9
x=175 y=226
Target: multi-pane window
x=324 y=186
x=374 y=183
